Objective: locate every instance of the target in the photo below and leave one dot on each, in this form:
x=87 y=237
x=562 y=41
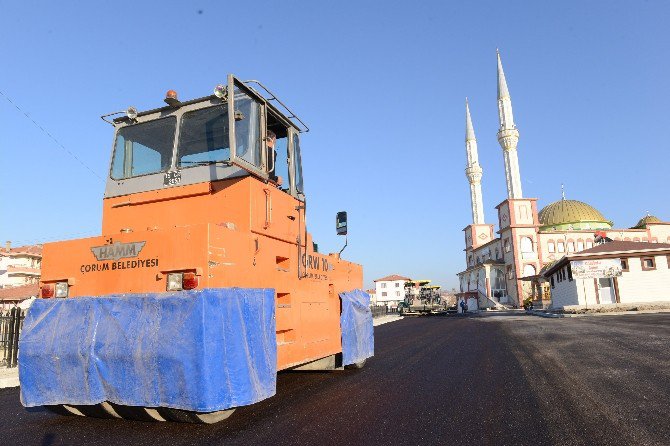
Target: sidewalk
x=385 y=319
x=9 y=377
x=542 y=313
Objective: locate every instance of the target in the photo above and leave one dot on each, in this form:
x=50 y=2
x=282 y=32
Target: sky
x=382 y=86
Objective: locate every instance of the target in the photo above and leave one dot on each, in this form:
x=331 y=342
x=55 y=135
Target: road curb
x=543 y=314
x=385 y=320
x=607 y=313
x=9 y=382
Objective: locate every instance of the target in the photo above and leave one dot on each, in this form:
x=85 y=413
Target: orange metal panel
x=233 y=233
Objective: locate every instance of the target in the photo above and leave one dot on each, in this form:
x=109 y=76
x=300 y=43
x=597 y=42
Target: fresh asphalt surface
x=487 y=380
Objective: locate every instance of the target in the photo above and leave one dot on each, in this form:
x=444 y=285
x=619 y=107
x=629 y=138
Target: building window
x=645 y=239
x=624 y=264
x=589 y=244
x=569 y=273
x=383 y=293
x=580 y=245
x=648 y=263
x=528 y=270
x=383 y=284
x=636 y=239
x=497 y=253
x=526 y=245
x=397 y=293
x=510 y=272
x=561 y=247
x=397 y=285
x=571 y=246
x=506 y=245
x=552 y=281
x=499 y=288
x=477 y=259
x=551 y=247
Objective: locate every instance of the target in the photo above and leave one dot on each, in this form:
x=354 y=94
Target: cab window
x=247 y=129
x=145 y=148
x=297 y=165
x=203 y=137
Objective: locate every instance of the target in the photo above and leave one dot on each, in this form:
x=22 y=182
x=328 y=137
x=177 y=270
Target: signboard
x=595 y=269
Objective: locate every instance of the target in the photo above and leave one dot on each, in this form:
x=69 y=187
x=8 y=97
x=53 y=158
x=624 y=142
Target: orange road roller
x=204 y=283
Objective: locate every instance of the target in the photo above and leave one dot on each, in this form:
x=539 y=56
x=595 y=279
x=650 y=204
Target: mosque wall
x=660 y=232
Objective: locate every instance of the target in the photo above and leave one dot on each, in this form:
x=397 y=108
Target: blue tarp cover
x=358 y=341
x=202 y=350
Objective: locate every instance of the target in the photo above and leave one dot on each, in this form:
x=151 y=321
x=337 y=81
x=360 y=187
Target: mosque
x=505 y=266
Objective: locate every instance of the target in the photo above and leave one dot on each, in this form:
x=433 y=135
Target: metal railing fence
x=11 y=322
x=379 y=310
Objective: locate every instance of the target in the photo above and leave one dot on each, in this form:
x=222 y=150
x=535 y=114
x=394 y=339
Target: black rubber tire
x=187 y=416
x=94 y=411
x=135 y=413
x=60 y=410
x=356 y=365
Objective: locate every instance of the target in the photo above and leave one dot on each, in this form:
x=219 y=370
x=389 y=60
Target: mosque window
x=526 y=245
x=561 y=247
x=528 y=270
x=551 y=246
x=499 y=285
x=580 y=245
x=648 y=263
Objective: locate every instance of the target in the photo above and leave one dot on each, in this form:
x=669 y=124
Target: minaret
x=473 y=171
x=508 y=136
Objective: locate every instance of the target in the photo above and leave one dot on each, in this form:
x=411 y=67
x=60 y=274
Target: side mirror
x=341 y=223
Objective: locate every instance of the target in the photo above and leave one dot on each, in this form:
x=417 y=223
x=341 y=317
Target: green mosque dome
x=565 y=215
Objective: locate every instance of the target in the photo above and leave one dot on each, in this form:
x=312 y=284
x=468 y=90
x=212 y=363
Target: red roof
x=608 y=250
x=392 y=278
x=620 y=246
x=34 y=250
x=13 y=269
x=19 y=292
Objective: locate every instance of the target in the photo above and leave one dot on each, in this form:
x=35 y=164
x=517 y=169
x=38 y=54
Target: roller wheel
x=137 y=413
x=60 y=409
x=187 y=416
x=356 y=365
x=96 y=410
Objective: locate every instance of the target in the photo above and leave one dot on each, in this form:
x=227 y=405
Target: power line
x=50 y=135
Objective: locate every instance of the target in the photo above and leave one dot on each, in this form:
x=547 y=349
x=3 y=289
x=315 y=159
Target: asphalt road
x=504 y=380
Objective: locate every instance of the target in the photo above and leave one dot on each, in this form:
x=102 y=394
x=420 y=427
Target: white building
x=20 y=266
x=645 y=276
x=373 y=297
x=390 y=290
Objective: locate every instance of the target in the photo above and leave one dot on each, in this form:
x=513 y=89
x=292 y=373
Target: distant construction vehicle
x=427 y=295
x=204 y=282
